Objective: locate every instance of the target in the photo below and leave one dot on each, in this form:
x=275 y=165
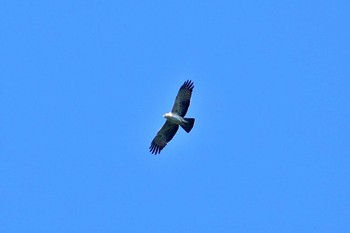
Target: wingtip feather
x=188 y=84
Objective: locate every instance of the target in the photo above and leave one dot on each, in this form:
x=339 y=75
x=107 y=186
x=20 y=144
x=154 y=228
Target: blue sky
x=84 y=85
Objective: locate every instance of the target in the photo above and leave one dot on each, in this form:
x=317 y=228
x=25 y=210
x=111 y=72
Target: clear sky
x=84 y=85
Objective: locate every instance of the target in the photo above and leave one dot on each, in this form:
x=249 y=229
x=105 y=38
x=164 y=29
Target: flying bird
x=175 y=118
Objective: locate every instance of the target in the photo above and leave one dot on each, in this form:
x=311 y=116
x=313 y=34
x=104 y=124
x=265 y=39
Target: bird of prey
x=175 y=118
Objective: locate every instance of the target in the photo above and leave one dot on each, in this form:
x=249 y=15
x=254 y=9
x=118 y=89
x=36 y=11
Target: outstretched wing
x=164 y=135
x=183 y=98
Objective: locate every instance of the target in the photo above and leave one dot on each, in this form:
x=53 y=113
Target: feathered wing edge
x=183 y=98
x=164 y=135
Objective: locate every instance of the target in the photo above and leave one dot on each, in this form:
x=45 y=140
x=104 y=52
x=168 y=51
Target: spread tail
x=189 y=125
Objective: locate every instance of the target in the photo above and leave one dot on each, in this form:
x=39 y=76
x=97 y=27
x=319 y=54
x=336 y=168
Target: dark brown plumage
x=175 y=118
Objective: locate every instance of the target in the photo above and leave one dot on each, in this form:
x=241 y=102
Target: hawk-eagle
x=175 y=118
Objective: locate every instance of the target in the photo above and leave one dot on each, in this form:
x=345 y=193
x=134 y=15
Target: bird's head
x=167 y=115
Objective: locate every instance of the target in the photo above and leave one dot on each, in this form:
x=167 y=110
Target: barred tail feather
x=189 y=125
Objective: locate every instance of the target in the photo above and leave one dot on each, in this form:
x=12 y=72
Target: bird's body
x=175 y=118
